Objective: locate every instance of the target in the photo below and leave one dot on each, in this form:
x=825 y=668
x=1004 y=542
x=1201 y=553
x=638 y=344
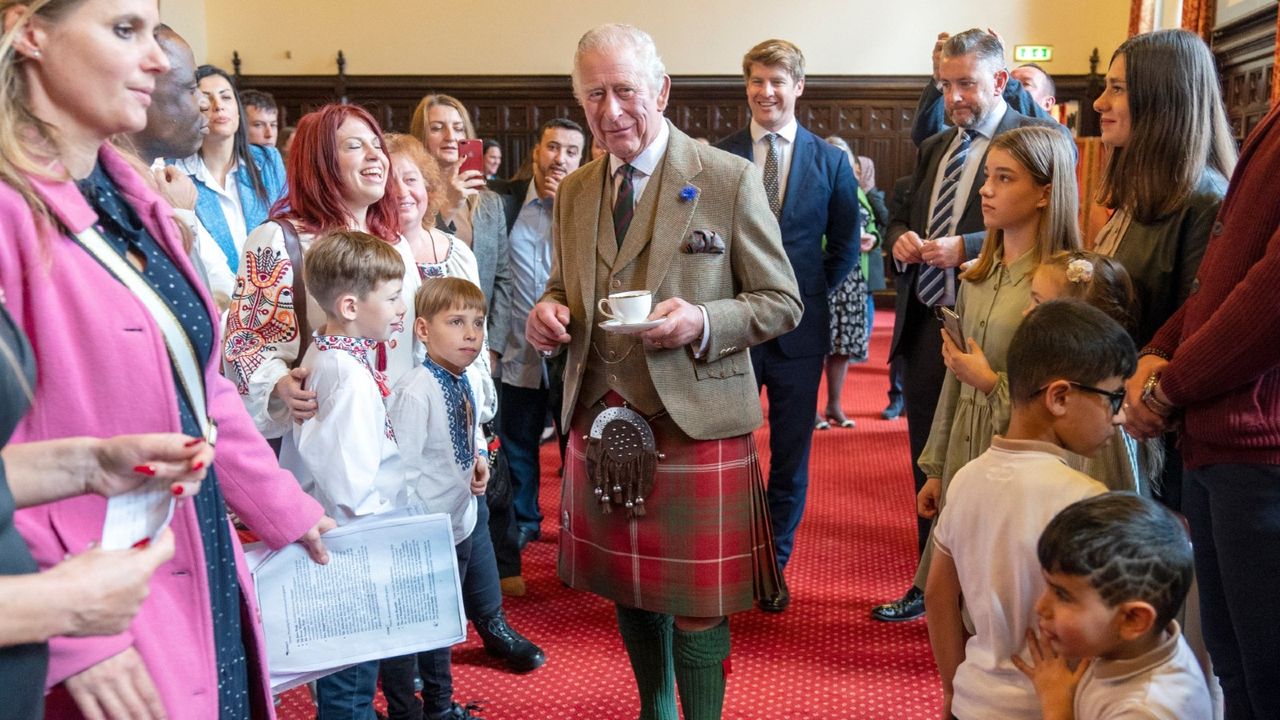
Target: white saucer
x=627 y=328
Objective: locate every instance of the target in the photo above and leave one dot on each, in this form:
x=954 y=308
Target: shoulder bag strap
x=293 y=248
x=186 y=364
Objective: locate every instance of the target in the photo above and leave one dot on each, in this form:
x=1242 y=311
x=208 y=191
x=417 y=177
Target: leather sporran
x=622 y=460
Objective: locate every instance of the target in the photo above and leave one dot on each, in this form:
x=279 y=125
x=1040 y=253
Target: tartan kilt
x=704 y=548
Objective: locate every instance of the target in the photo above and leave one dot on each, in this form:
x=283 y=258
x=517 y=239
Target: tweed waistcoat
x=617 y=362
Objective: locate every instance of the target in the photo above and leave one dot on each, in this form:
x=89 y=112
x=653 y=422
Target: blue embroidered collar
x=460 y=403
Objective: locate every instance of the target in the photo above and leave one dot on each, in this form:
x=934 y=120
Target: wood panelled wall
x=1246 y=51
x=872 y=113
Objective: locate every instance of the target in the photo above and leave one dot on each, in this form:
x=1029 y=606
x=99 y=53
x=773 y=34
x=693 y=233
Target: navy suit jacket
x=821 y=200
x=915 y=214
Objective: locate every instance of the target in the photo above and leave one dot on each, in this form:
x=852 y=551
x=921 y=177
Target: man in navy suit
x=813 y=193
x=940 y=228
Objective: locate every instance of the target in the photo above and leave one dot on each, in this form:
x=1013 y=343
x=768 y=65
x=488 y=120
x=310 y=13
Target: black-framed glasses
x=1115 y=397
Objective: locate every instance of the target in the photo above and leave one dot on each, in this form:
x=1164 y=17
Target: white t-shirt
x=997 y=506
x=1164 y=684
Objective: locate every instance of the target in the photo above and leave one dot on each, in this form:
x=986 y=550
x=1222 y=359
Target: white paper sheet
x=391 y=588
x=136 y=515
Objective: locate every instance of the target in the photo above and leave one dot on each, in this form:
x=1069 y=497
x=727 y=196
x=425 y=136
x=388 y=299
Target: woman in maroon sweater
x=1217 y=363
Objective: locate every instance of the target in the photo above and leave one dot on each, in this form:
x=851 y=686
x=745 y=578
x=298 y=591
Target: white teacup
x=627 y=307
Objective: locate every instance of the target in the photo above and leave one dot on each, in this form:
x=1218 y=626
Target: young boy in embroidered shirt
x=1067 y=365
x=1117 y=569
x=434 y=408
x=346 y=455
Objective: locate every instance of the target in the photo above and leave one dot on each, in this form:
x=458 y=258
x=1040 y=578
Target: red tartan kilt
x=696 y=551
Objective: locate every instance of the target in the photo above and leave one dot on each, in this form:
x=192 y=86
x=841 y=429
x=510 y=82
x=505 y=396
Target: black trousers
x=920 y=353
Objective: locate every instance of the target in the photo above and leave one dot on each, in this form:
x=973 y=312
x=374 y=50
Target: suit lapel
x=922 y=200
x=803 y=152
x=586 y=225
x=673 y=215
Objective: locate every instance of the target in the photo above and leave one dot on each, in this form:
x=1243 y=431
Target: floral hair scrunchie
x=1079 y=271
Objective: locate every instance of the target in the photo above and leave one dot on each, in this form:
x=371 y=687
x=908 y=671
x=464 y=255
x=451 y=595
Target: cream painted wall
x=854 y=37
x=188 y=18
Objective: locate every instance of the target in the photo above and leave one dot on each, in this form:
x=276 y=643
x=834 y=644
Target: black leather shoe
x=526 y=536
x=501 y=641
x=778 y=602
x=458 y=712
x=892 y=411
x=907 y=607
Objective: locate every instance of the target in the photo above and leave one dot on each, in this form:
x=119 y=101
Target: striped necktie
x=772 y=184
x=624 y=206
x=931 y=283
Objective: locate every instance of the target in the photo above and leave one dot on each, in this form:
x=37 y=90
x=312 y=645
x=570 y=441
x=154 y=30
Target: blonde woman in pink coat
x=72 y=74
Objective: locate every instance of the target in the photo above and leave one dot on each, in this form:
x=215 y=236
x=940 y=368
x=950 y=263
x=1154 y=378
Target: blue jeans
x=481 y=588
x=348 y=694
x=1234 y=513
x=524 y=413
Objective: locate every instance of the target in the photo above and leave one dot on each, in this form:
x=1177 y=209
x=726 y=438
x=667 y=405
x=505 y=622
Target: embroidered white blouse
x=261 y=338
x=346 y=456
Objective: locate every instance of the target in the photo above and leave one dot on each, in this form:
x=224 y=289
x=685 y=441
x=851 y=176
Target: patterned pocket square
x=704 y=241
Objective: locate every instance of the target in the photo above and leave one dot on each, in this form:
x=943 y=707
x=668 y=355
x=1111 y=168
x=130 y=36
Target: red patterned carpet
x=824 y=658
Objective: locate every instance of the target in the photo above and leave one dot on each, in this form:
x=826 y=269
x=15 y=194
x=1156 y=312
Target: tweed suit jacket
x=749 y=290
x=915 y=216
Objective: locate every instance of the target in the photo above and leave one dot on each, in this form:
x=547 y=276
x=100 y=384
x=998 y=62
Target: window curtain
x=1198 y=17
x=1142 y=16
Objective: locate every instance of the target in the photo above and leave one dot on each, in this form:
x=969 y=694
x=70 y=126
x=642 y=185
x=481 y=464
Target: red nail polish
x=197 y=466
x=177 y=490
x=142 y=544
x=145 y=470
x=193 y=442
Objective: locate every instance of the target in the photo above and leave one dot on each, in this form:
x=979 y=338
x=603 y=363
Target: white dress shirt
x=228 y=196
x=645 y=164
x=760 y=151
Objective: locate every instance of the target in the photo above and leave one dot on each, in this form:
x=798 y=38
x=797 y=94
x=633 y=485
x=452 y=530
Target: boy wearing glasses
x=1067 y=364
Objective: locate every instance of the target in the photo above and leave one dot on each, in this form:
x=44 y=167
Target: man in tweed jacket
x=692 y=225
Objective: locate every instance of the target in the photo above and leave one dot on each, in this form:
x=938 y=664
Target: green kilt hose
x=704 y=548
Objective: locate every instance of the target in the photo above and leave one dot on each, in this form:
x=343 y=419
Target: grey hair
x=618 y=36
x=987 y=48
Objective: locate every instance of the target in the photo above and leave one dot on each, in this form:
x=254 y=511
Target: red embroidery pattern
x=359 y=348
x=261 y=316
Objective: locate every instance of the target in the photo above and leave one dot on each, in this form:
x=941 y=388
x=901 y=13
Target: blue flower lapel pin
x=688 y=193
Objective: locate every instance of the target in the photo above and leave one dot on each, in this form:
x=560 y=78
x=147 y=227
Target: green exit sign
x=1032 y=53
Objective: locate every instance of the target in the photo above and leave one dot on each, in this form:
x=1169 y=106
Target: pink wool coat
x=103 y=370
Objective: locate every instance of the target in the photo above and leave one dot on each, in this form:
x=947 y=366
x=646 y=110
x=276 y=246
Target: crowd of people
x=291 y=340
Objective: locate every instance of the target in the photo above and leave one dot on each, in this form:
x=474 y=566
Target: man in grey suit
x=690 y=224
x=941 y=228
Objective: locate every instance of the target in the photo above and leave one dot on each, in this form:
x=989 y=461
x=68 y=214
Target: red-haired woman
x=338 y=174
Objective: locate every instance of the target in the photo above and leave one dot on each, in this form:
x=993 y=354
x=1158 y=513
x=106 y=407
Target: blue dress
x=120 y=226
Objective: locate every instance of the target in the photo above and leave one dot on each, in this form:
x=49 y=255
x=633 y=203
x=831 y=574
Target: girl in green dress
x=1029 y=203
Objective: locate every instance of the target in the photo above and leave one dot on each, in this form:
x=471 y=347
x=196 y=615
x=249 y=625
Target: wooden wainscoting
x=872 y=113
x=1245 y=50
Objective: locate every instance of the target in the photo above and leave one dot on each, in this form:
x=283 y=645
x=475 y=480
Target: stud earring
x=35 y=53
